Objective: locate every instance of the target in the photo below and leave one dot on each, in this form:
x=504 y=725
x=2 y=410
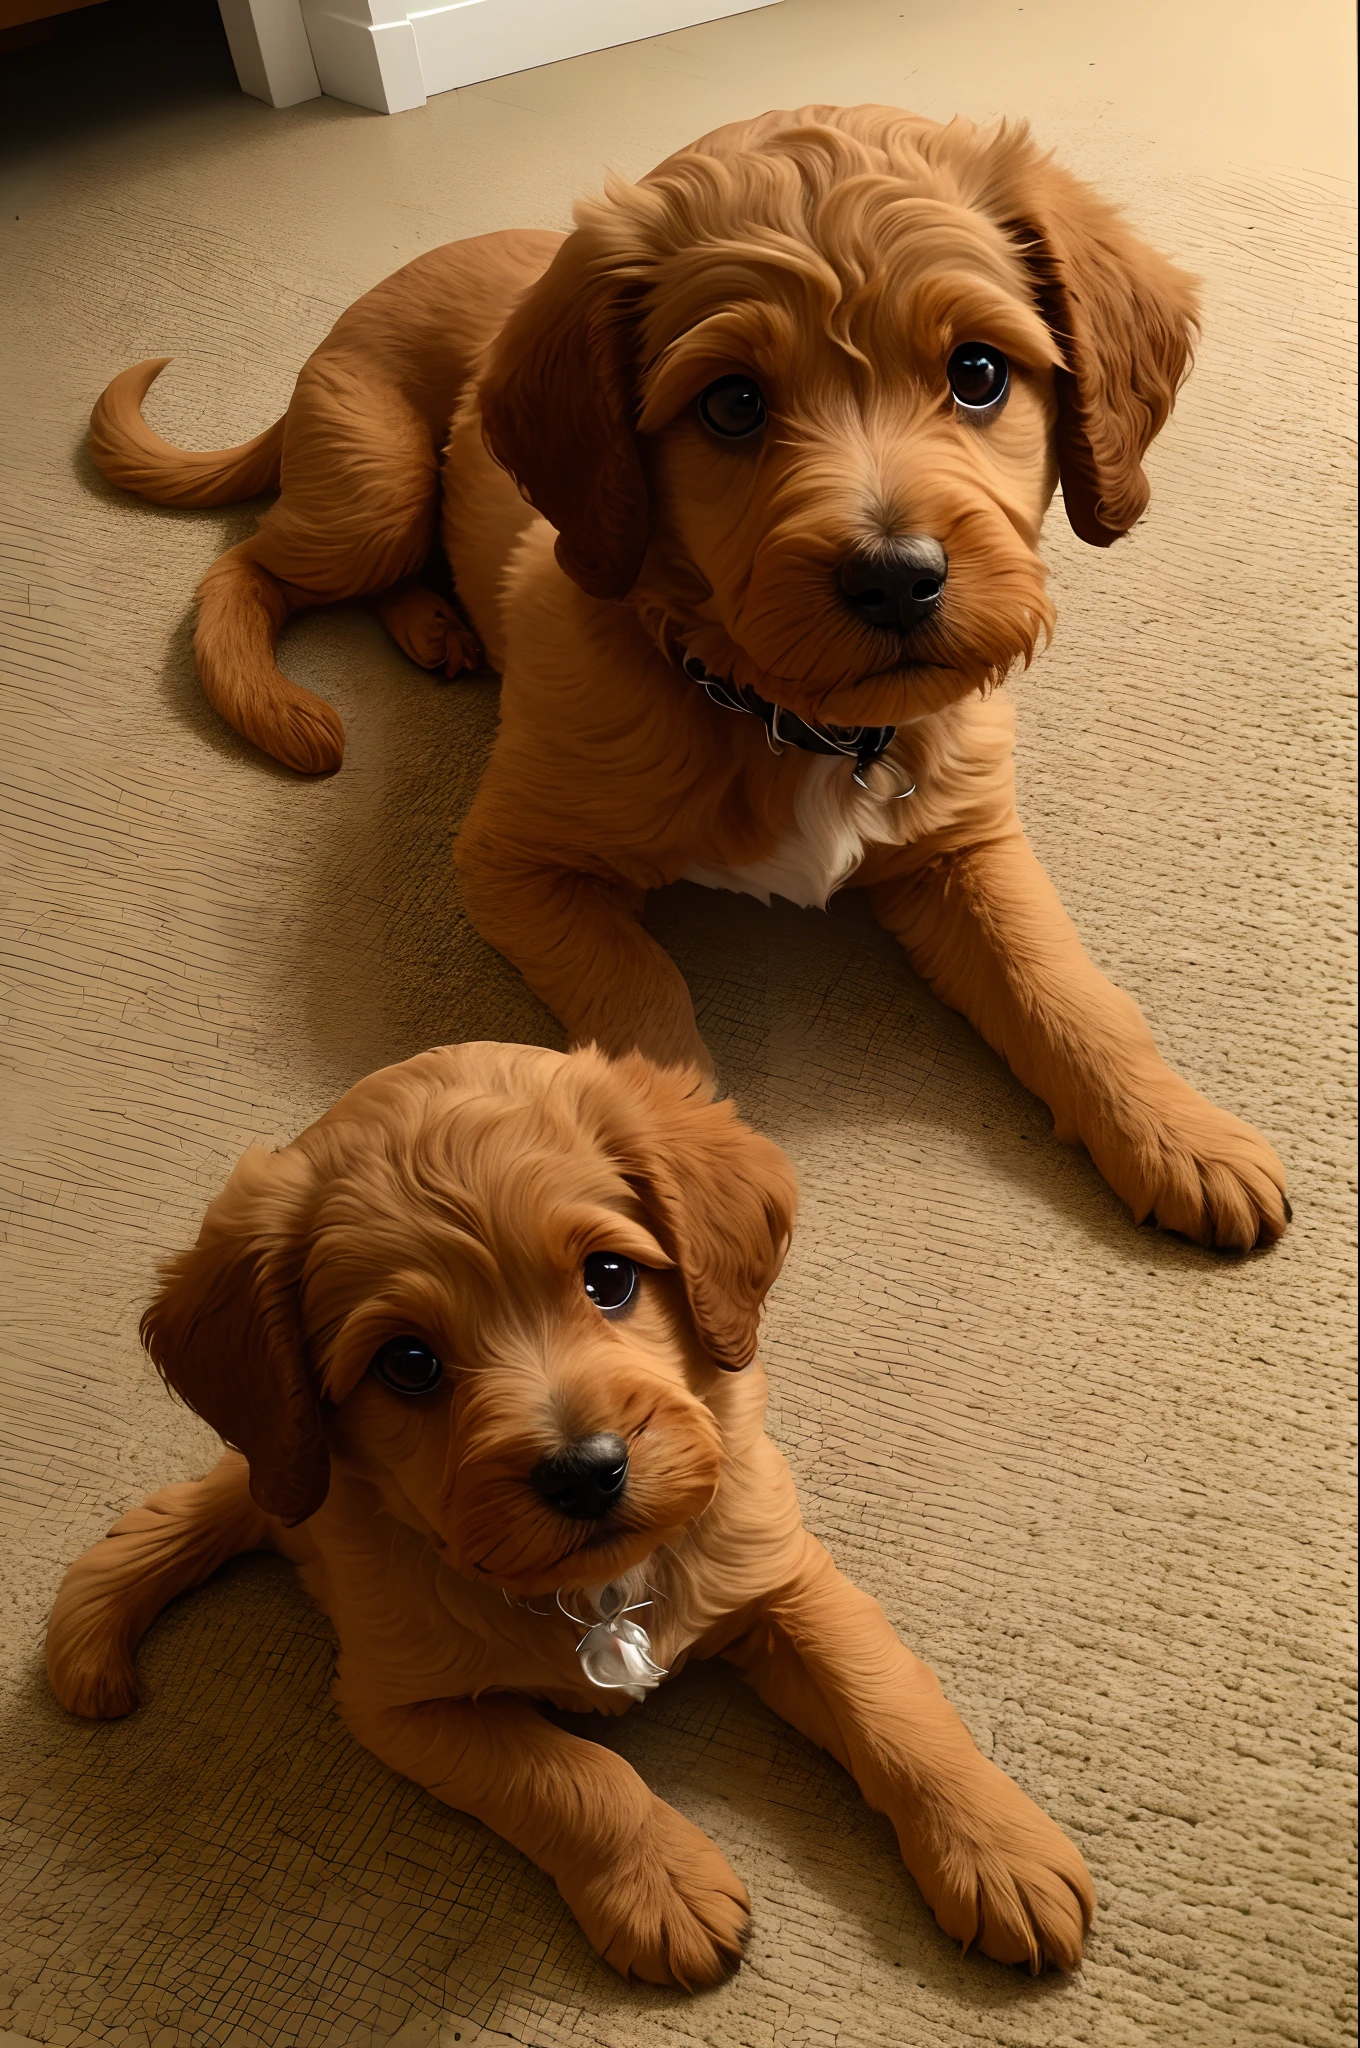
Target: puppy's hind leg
x=356 y=516
x=241 y=609
x=110 y=1596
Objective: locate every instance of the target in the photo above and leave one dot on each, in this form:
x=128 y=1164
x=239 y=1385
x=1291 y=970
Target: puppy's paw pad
x=670 y=1910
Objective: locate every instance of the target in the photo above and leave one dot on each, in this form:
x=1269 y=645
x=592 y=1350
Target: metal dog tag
x=615 y=1653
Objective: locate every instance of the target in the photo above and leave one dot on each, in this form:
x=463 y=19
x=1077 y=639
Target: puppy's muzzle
x=897 y=585
x=584 y=1481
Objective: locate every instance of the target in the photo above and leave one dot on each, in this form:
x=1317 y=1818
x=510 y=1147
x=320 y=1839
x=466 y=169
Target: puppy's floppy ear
x=721 y=1198
x=559 y=411
x=225 y=1334
x=1126 y=321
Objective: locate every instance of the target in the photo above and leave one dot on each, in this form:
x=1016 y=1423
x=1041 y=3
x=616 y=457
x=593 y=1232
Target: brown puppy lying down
x=786 y=417
x=484 y=1339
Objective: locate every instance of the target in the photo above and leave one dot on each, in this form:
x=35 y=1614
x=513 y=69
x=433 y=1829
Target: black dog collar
x=862 y=744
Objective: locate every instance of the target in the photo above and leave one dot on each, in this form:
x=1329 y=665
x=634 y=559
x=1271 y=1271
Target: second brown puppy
x=484 y=1340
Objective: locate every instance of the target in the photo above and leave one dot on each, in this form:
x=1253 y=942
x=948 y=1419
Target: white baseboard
x=464 y=43
x=369 y=63
x=391 y=54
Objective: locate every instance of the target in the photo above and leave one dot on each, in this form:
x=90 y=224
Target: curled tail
x=110 y=1597
x=132 y=456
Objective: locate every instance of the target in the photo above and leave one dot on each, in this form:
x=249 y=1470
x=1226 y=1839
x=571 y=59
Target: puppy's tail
x=136 y=459
x=110 y=1597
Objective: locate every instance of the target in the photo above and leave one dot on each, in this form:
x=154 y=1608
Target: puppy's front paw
x=1189 y=1167
x=999 y=1875
x=667 y=1908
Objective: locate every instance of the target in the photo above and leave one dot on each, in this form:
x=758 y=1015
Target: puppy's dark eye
x=978 y=376
x=609 y=1279
x=733 y=407
x=407 y=1366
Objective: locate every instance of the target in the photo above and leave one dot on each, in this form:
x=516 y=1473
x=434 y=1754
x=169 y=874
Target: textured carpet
x=1098 y=1478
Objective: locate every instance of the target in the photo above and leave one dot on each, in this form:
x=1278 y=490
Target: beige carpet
x=1097 y=1477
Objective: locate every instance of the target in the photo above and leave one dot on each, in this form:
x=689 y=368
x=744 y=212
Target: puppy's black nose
x=585 y=1480
x=898 y=584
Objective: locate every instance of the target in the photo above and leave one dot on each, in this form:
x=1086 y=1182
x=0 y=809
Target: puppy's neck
x=630 y=1589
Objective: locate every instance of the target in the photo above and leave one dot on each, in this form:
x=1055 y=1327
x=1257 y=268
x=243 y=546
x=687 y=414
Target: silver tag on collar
x=614 y=1652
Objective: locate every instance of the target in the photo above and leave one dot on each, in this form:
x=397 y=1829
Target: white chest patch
x=834 y=822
